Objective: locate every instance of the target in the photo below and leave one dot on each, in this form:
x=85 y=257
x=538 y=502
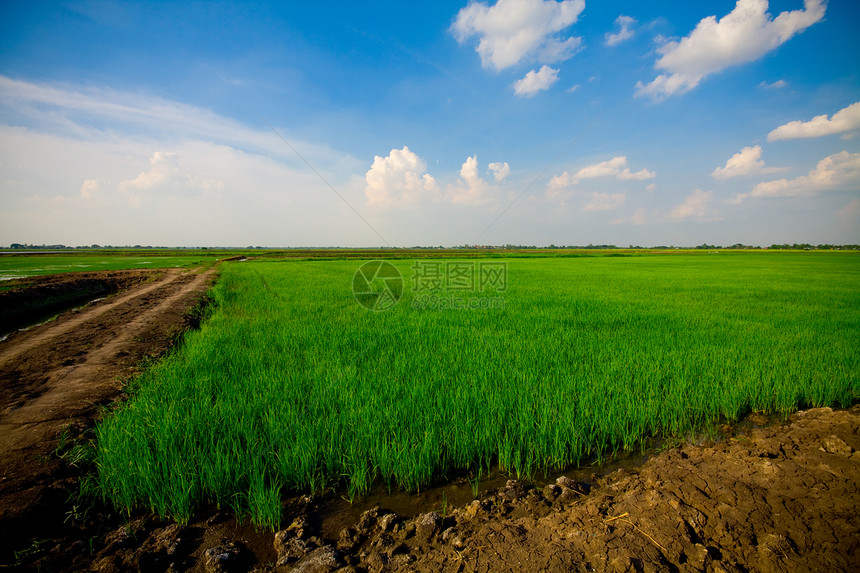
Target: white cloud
x=513 y=30
x=499 y=170
x=605 y=202
x=640 y=175
x=471 y=189
x=164 y=176
x=697 y=205
x=76 y=111
x=164 y=167
x=90 y=188
x=615 y=167
x=536 y=81
x=845 y=120
x=841 y=170
x=744 y=35
x=602 y=169
x=624 y=32
x=747 y=161
x=561 y=181
x=777 y=85
x=219 y=196
x=401 y=177
x=651 y=187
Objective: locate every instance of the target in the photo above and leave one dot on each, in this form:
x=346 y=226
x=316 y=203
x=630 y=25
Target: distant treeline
x=28 y=247
x=704 y=246
x=785 y=246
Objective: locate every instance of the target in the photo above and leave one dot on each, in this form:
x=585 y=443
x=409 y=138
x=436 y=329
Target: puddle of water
x=40 y=318
x=335 y=511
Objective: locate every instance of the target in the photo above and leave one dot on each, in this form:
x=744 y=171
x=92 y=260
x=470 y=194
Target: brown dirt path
x=58 y=375
x=22 y=343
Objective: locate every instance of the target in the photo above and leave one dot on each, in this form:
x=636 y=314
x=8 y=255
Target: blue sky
x=439 y=123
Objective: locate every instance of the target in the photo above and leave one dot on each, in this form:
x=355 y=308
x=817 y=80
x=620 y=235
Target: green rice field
x=14 y=266
x=291 y=385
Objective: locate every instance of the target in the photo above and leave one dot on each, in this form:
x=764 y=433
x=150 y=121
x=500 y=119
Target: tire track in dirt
x=58 y=375
x=70 y=389
x=44 y=334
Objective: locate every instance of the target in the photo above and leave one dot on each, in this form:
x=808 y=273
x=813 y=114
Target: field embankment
x=26 y=301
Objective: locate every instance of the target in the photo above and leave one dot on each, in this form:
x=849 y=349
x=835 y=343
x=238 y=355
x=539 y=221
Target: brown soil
x=764 y=497
x=55 y=378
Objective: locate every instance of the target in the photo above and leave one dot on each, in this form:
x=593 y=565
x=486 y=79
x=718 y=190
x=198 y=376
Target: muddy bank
x=781 y=498
x=30 y=300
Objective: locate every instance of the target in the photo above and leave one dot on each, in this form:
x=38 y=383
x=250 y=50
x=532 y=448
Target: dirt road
x=56 y=376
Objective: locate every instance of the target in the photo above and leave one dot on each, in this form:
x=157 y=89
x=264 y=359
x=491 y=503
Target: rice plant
x=291 y=385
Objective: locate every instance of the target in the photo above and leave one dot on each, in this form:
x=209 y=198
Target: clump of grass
x=290 y=384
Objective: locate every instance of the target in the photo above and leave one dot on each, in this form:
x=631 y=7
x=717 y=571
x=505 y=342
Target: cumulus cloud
x=604 y=202
x=400 y=177
x=845 y=120
x=561 y=181
x=747 y=161
x=624 y=32
x=697 y=205
x=471 y=189
x=615 y=167
x=536 y=81
x=744 y=35
x=90 y=188
x=164 y=176
x=515 y=30
x=841 y=170
x=164 y=167
x=499 y=170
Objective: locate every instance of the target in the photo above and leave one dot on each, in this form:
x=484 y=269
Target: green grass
x=20 y=266
x=292 y=385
